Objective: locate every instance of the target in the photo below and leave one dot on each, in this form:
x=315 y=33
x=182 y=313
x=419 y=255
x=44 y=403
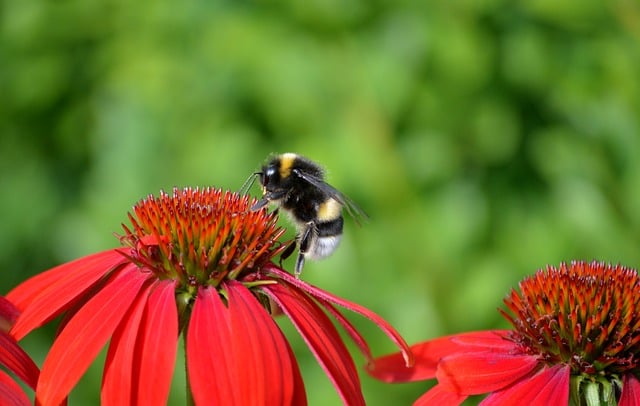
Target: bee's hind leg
x=287 y=252
x=305 y=241
x=299 y=261
x=299 y=264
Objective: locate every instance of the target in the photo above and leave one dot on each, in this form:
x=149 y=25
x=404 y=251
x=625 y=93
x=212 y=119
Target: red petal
x=8 y=314
x=482 y=372
x=157 y=345
x=118 y=370
x=17 y=361
x=246 y=349
x=441 y=397
x=45 y=296
x=299 y=397
x=322 y=338
x=550 y=386
x=11 y=394
x=355 y=335
x=630 y=391
x=392 y=368
x=226 y=346
x=260 y=350
x=83 y=337
x=324 y=296
x=491 y=340
x=210 y=362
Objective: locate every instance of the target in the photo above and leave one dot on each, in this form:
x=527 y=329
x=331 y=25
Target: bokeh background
x=485 y=139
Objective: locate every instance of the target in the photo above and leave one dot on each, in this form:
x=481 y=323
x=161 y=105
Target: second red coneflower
x=575 y=338
x=196 y=262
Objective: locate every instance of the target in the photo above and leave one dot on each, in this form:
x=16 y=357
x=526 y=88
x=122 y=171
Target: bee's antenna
x=246 y=186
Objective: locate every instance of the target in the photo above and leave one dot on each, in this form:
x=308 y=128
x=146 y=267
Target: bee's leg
x=305 y=240
x=266 y=198
x=299 y=264
x=287 y=252
x=259 y=204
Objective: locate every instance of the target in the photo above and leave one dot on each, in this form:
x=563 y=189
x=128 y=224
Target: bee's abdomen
x=322 y=247
x=326 y=240
x=329 y=210
x=330 y=228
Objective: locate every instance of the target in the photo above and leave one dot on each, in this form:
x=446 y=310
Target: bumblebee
x=296 y=185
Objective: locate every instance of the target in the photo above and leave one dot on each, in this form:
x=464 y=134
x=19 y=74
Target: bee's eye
x=269 y=176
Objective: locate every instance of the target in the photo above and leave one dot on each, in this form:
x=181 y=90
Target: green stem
x=189 y=394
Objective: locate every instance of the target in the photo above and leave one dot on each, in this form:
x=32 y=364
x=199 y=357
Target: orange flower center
x=583 y=315
x=200 y=236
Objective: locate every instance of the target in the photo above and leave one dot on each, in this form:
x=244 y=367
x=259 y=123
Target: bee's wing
x=354 y=211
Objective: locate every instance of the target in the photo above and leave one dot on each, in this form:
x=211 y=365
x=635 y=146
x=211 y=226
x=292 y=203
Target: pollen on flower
x=200 y=236
x=586 y=315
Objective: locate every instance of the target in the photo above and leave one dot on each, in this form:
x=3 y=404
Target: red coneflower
x=14 y=359
x=576 y=337
x=196 y=262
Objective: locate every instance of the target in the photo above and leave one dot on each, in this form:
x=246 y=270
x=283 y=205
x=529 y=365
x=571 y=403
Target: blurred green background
x=485 y=139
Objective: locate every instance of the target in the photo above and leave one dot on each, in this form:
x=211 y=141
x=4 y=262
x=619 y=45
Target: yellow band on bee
x=329 y=210
x=286 y=162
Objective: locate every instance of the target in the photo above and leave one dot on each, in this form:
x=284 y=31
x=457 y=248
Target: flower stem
x=189 y=394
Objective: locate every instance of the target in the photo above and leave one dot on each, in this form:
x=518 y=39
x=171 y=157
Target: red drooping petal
x=355 y=335
x=392 y=369
x=489 y=340
x=118 y=375
x=324 y=296
x=17 y=361
x=322 y=338
x=210 y=361
x=441 y=397
x=482 y=372
x=630 y=391
x=85 y=334
x=8 y=314
x=550 y=386
x=11 y=394
x=299 y=396
x=155 y=352
x=260 y=351
x=44 y=296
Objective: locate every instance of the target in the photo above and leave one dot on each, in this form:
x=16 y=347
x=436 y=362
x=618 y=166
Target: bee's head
x=270 y=175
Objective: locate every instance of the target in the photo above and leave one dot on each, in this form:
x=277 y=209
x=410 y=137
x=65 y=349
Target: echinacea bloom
x=15 y=360
x=198 y=263
x=576 y=336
